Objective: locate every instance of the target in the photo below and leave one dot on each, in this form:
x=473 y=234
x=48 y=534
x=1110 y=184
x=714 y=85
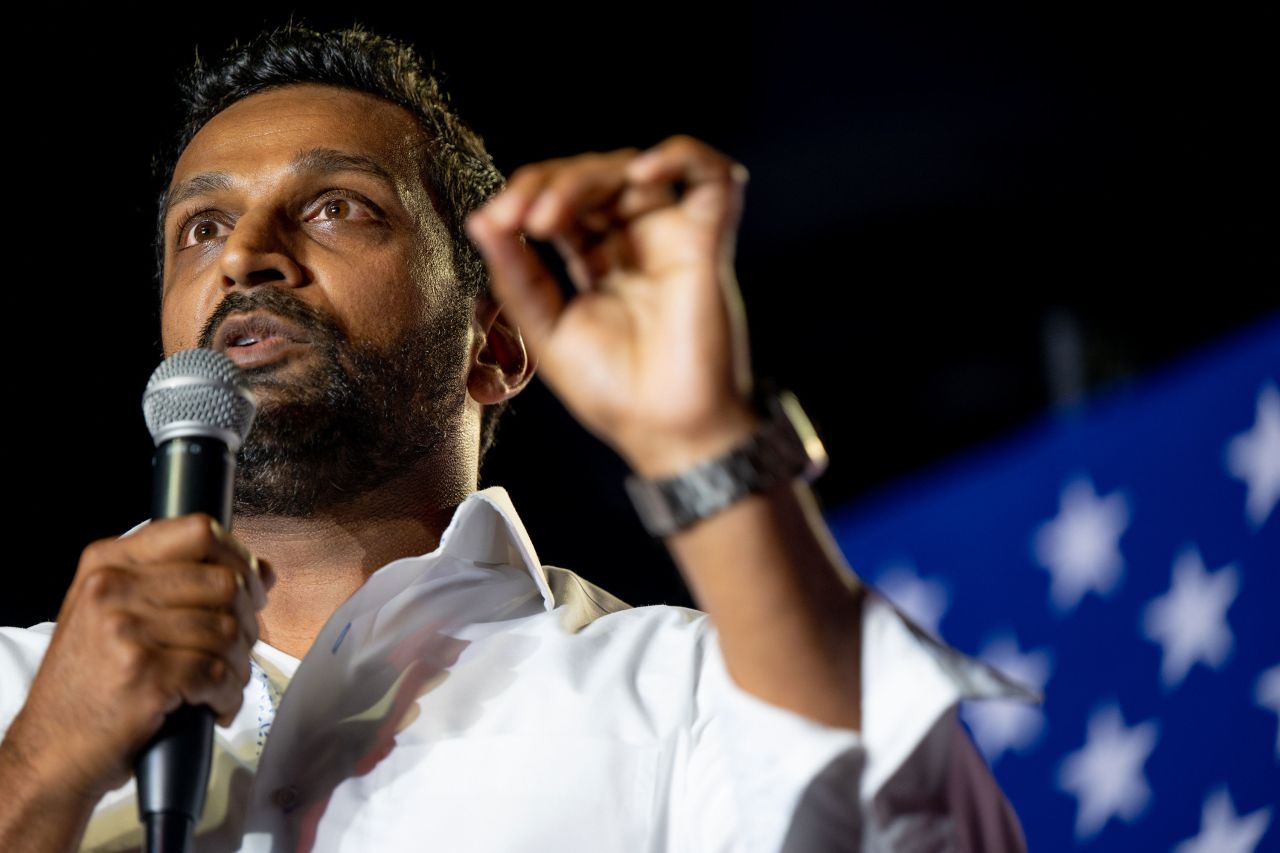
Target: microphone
x=199 y=409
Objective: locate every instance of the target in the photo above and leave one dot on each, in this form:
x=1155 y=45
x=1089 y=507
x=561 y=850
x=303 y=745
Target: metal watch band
x=785 y=446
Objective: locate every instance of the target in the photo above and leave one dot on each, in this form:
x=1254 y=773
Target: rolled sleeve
x=911 y=779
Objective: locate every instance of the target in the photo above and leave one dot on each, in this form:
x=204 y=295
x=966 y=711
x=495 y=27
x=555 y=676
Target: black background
x=933 y=188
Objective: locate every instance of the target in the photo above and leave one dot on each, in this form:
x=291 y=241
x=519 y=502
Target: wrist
x=690 y=482
x=665 y=454
x=25 y=759
x=40 y=811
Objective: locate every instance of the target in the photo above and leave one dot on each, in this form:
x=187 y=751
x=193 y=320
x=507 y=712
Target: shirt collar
x=485 y=528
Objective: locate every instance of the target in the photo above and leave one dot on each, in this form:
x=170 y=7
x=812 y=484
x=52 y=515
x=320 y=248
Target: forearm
x=36 y=814
x=784 y=602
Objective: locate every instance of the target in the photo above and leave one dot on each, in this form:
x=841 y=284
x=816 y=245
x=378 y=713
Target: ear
x=500 y=364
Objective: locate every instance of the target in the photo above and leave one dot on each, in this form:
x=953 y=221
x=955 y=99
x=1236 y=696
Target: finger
x=214 y=632
x=190 y=538
x=508 y=207
x=591 y=181
x=713 y=183
x=256 y=573
x=215 y=585
x=199 y=678
x=195 y=537
x=156 y=586
x=682 y=156
x=639 y=199
x=527 y=291
x=211 y=586
x=581 y=244
x=205 y=587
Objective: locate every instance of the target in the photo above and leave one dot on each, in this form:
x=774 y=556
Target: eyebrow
x=202 y=184
x=315 y=161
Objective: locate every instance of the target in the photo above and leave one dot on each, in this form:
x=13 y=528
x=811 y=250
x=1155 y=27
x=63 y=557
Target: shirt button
x=285 y=798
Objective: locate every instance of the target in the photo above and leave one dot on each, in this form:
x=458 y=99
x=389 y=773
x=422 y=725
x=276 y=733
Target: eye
x=347 y=206
x=200 y=228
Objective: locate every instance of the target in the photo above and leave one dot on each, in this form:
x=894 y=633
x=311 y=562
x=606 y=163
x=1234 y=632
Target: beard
x=360 y=419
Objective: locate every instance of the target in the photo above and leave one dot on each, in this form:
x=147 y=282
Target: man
x=391 y=666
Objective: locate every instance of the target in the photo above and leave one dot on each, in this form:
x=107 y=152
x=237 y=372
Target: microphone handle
x=189 y=474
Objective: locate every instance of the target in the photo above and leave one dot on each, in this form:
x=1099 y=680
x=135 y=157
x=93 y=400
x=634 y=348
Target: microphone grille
x=199 y=392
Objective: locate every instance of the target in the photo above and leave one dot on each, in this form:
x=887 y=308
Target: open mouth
x=252 y=340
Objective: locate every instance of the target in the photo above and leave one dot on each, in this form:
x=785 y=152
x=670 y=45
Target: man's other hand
x=164 y=616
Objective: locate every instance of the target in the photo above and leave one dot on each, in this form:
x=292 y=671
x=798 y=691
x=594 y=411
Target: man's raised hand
x=651 y=354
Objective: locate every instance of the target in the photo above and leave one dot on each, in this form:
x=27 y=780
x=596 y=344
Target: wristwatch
x=784 y=447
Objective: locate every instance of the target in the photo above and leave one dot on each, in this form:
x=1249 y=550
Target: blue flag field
x=1123 y=557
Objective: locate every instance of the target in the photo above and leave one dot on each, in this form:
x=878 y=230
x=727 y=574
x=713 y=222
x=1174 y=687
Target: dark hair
x=461 y=174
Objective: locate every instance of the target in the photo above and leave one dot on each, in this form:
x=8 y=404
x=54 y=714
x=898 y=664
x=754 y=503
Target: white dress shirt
x=472 y=699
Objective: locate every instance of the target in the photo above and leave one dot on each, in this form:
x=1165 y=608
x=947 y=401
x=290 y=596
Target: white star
x=925 y=601
x=1001 y=724
x=1223 y=831
x=1081 y=546
x=1254 y=457
x=1190 y=620
x=1267 y=694
x=1105 y=775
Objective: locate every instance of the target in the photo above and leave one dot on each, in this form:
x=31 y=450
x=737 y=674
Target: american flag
x=1123 y=556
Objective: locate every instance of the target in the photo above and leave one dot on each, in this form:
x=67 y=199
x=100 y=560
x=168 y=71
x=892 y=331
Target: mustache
x=322 y=328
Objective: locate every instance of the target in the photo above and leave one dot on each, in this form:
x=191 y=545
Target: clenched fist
x=164 y=616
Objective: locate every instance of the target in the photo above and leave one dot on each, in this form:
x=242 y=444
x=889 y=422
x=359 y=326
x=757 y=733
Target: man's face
x=307 y=205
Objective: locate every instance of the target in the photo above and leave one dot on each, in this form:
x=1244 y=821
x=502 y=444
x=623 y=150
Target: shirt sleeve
x=763 y=778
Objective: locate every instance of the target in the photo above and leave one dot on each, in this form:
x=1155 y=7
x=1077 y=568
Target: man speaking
x=391 y=666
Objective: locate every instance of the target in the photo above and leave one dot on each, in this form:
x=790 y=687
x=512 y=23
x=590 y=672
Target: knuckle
x=226 y=628
x=119 y=625
x=134 y=661
x=96 y=552
x=104 y=584
x=204 y=670
x=223 y=582
x=215 y=669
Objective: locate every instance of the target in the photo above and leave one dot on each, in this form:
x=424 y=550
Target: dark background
x=957 y=218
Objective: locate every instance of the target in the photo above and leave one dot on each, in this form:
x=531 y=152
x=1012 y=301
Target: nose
x=258 y=252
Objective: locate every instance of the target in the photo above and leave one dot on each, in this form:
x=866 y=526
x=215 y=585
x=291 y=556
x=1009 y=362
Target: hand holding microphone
x=156 y=622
